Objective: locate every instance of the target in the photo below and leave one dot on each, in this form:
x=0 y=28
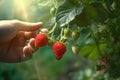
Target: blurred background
x=43 y=65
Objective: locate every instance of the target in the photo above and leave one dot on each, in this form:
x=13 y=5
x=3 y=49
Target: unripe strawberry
x=67 y=32
x=41 y=40
x=75 y=49
x=59 y=49
x=75 y=35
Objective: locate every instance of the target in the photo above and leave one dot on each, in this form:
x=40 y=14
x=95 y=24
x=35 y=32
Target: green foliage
x=90 y=51
x=98 y=24
x=65 y=14
x=97 y=21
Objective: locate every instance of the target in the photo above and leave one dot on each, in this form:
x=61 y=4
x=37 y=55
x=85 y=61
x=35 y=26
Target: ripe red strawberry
x=41 y=40
x=58 y=57
x=59 y=49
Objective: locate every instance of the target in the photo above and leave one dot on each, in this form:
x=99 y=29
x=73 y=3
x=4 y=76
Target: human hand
x=17 y=40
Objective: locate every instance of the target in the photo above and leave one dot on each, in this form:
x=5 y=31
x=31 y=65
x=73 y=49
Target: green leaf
x=101 y=11
x=91 y=11
x=90 y=51
x=95 y=53
x=67 y=11
x=84 y=34
x=85 y=50
x=109 y=2
x=82 y=19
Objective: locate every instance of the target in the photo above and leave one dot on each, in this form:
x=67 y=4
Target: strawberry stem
x=52 y=30
x=96 y=42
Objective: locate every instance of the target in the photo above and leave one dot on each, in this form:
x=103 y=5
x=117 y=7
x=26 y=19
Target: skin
x=17 y=40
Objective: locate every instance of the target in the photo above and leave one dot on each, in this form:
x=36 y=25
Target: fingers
x=30 y=26
x=28 y=50
x=29 y=35
x=27 y=26
x=26 y=54
x=31 y=43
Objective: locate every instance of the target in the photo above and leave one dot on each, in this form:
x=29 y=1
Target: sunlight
x=21 y=8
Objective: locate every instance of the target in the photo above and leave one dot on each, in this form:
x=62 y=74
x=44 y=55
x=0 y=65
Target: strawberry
x=59 y=49
x=67 y=32
x=75 y=49
x=58 y=57
x=41 y=40
x=75 y=35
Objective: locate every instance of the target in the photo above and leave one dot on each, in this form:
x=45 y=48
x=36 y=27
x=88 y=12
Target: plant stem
x=52 y=30
x=61 y=34
x=55 y=3
x=97 y=45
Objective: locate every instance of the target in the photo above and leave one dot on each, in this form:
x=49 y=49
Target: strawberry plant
x=92 y=24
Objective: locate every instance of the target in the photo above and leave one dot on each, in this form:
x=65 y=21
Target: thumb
x=27 y=26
